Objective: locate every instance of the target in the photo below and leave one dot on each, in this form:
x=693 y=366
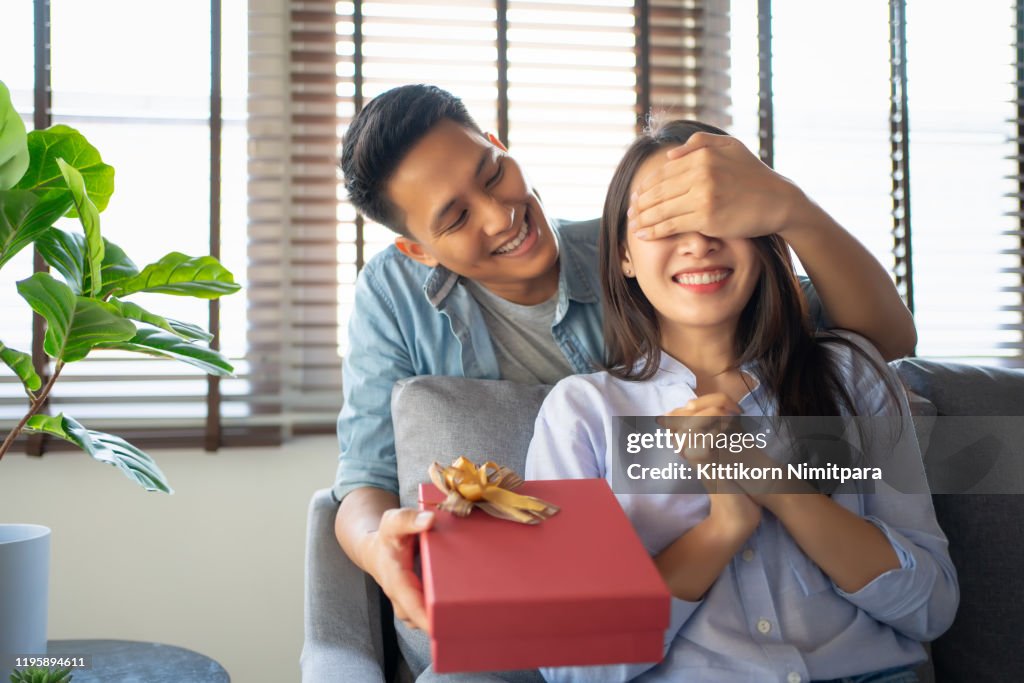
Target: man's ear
x=496 y=142
x=414 y=250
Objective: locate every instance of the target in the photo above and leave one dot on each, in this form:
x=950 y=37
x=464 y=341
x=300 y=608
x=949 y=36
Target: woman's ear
x=626 y=263
x=496 y=142
x=414 y=250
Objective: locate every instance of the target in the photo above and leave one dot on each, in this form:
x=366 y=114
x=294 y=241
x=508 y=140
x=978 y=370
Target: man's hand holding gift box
x=574 y=588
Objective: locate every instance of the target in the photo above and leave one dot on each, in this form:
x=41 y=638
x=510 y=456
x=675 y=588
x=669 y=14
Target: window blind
x=293 y=372
x=16 y=50
x=830 y=113
x=572 y=97
x=965 y=181
x=560 y=81
x=689 y=59
x=899 y=153
x=1014 y=300
x=449 y=44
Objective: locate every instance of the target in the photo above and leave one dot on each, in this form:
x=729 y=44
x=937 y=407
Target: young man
x=482 y=283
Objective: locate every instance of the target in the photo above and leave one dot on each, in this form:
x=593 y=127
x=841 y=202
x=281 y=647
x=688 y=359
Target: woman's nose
x=696 y=244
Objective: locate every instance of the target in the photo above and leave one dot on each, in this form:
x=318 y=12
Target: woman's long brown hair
x=774 y=329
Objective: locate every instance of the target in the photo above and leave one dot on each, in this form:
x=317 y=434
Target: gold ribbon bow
x=488 y=488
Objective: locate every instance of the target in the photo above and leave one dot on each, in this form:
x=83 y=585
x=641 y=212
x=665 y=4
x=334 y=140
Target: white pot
x=24 y=588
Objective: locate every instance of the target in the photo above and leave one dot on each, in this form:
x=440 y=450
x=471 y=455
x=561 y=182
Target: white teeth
x=514 y=244
x=705 y=278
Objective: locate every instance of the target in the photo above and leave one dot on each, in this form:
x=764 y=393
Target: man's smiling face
x=466 y=205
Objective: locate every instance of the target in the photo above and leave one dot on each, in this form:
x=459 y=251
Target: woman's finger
x=717 y=399
x=684 y=423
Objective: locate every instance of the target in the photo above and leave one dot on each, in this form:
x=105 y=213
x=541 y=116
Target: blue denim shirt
x=410 y=320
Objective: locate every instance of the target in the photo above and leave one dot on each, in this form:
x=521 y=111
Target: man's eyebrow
x=483 y=160
x=448 y=205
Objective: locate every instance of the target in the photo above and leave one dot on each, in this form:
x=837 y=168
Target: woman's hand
x=712 y=185
x=695 y=560
x=733 y=512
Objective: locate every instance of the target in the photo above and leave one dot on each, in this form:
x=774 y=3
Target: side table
x=128 y=661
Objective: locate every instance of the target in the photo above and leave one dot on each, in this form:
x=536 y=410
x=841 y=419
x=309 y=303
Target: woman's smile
x=703 y=280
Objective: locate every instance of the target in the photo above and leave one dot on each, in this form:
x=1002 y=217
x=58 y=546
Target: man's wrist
x=801 y=216
x=365 y=553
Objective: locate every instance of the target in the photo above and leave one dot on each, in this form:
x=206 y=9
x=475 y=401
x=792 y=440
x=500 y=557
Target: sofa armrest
x=343 y=635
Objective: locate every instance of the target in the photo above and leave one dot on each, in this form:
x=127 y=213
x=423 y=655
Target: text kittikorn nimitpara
x=743 y=472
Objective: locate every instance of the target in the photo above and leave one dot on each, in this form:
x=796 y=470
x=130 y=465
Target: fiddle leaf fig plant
x=55 y=173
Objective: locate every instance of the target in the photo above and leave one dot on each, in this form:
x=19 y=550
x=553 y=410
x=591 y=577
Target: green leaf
x=53 y=300
x=65 y=252
x=90 y=219
x=159 y=343
x=117 y=268
x=190 y=331
x=21 y=363
x=25 y=215
x=75 y=324
x=202 y=277
x=107 y=448
x=133 y=311
x=15 y=208
x=64 y=142
x=13 y=142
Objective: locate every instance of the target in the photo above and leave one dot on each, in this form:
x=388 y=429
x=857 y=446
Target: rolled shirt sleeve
x=920 y=598
x=377 y=358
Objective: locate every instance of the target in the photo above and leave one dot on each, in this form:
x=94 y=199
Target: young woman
x=766 y=587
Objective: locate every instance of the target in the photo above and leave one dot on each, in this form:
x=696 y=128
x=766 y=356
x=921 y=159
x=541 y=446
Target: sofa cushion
x=439 y=419
x=961 y=389
x=971 y=443
x=983 y=530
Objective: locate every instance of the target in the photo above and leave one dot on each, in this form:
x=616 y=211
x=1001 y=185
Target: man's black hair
x=382 y=134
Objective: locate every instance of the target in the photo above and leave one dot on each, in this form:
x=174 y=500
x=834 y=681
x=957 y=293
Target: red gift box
x=577 y=589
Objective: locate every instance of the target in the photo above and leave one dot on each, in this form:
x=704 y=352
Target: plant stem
x=34 y=407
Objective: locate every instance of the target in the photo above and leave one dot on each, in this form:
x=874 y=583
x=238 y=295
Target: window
x=956 y=174
x=564 y=83
x=143 y=98
x=559 y=80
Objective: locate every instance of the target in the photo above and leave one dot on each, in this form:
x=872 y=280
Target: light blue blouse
x=772 y=615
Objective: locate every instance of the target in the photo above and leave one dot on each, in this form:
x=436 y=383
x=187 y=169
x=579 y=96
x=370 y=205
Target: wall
x=216 y=567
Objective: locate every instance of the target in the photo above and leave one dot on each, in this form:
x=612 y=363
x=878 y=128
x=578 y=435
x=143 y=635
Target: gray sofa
x=349 y=634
